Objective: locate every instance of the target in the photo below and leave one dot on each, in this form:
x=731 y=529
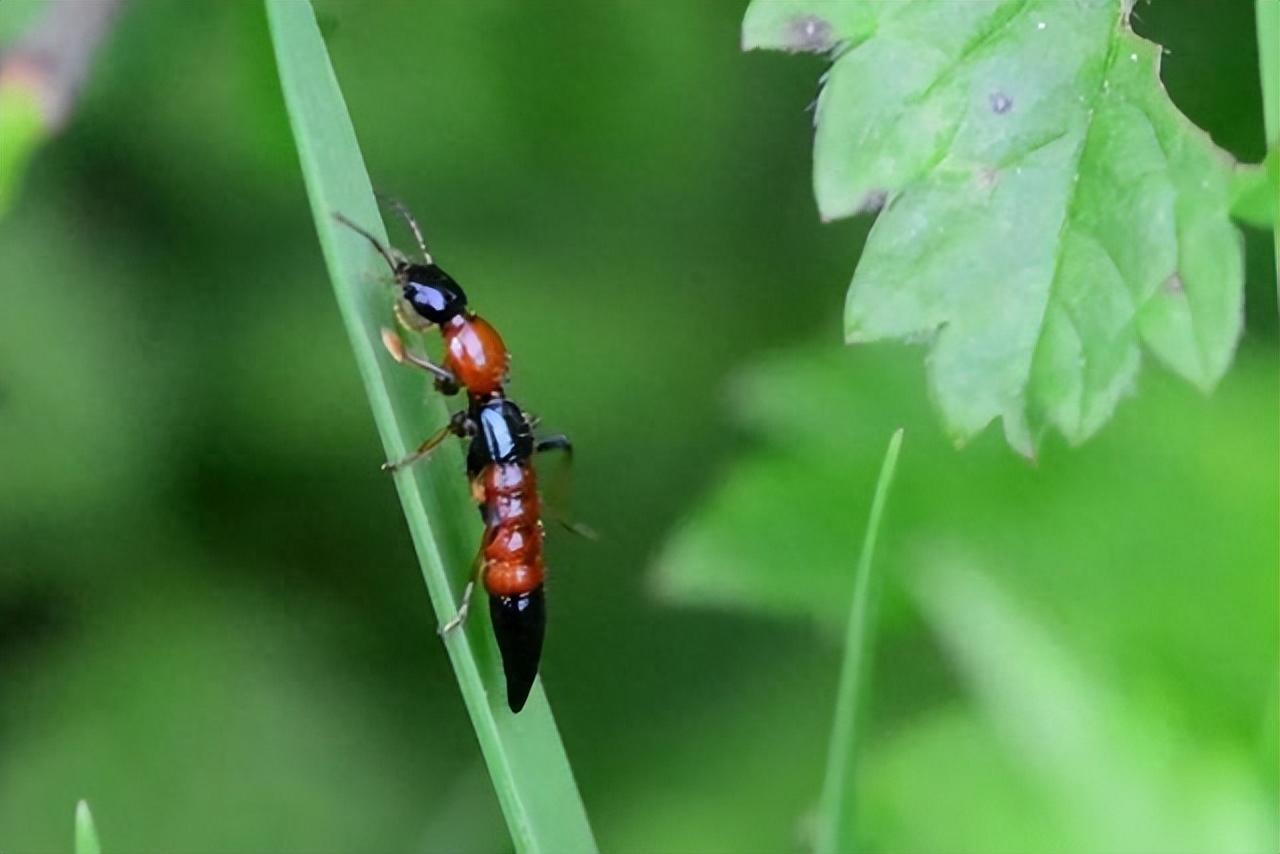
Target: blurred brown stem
x=53 y=57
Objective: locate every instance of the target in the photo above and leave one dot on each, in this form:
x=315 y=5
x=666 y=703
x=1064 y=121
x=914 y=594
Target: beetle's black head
x=519 y=624
x=433 y=294
x=503 y=434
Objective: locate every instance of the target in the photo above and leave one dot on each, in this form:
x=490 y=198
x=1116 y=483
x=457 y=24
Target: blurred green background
x=212 y=624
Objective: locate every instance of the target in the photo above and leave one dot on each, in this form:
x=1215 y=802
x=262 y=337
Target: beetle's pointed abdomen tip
x=519 y=624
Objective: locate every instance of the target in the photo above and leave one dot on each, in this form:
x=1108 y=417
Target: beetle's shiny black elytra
x=503 y=434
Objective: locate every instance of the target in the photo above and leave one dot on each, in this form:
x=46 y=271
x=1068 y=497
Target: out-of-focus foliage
x=1136 y=584
x=22 y=129
x=212 y=626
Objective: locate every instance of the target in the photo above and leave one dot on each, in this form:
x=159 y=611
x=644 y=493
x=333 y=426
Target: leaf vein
x=1068 y=210
x=949 y=70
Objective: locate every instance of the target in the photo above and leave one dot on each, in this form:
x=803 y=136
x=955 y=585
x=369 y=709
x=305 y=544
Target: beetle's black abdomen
x=519 y=624
x=433 y=293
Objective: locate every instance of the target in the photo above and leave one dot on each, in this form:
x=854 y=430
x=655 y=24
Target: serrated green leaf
x=1047 y=212
x=524 y=754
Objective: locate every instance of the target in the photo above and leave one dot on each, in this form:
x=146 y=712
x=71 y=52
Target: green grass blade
x=836 y=814
x=1268 y=18
x=86 y=833
x=524 y=754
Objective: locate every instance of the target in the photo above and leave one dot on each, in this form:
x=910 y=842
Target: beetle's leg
x=446 y=382
x=423 y=450
x=477 y=571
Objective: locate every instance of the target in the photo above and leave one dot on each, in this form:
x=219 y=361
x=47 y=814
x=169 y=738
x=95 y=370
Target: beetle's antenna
x=400 y=208
x=377 y=244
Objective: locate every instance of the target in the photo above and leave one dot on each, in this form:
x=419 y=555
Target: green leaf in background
x=837 y=811
x=1137 y=579
x=1061 y=723
x=526 y=759
x=1047 y=212
x=1256 y=193
x=86 y=833
x=790 y=504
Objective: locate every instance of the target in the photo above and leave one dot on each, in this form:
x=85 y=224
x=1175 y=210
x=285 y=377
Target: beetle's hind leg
x=477 y=572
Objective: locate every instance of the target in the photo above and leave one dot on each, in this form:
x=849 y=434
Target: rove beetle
x=500 y=454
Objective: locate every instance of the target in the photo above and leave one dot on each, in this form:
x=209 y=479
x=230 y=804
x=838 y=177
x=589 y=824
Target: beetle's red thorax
x=475 y=354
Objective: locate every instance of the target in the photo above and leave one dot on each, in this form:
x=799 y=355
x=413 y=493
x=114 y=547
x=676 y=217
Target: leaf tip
x=1019 y=435
x=855 y=333
x=808 y=33
x=771 y=25
x=86 y=833
x=871 y=202
x=834 y=205
x=895 y=443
